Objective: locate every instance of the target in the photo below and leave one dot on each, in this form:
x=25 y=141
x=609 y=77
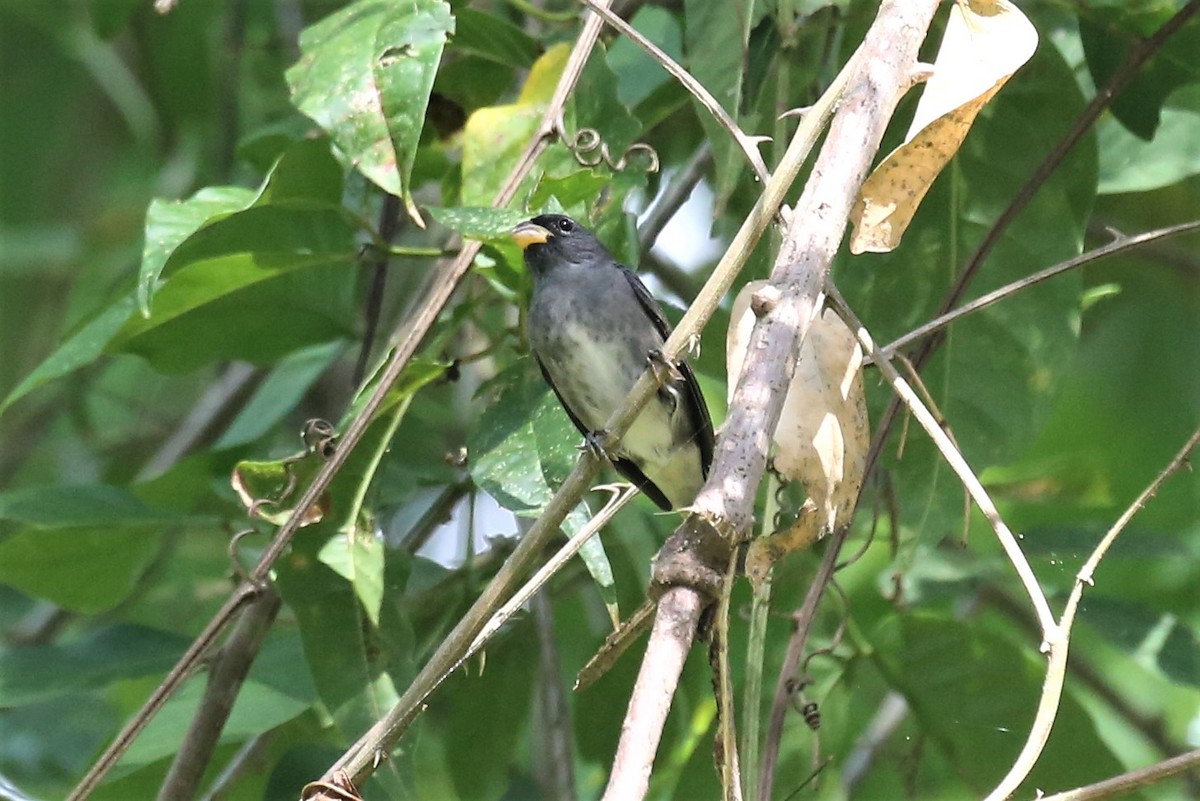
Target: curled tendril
x=235 y=561
x=319 y=436
x=590 y=150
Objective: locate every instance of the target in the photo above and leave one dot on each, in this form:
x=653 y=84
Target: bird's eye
x=566 y=226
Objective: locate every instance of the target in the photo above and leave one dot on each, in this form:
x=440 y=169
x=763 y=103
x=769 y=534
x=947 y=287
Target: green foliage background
x=189 y=205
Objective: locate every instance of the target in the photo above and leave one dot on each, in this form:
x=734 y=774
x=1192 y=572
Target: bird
x=592 y=327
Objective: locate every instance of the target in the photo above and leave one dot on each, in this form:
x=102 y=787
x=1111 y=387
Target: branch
x=1056 y=669
x=873 y=82
x=670 y=641
x=1119 y=245
x=225 y=679
x=674 y=196
x=1127 y=782
x=797 y=643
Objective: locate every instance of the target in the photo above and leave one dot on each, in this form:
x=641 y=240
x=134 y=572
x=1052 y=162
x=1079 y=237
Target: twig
x=728 y=763
x=793 y=658
x=1118 y=245
x=1127 y=782
x=245 y=758
x=214 y=403
x=555 y=757
x=748 y=144
x=892 y=711
x=225 y=678
x=389 y=224
x=675 y=195
x=1056 y=669
x=958 y=464
x=868 y=89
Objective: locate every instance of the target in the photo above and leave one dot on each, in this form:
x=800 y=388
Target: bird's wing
x=697 y=408
x=625 y=467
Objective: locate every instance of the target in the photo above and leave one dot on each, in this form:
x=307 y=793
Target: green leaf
x=994 y=687
x=1109 y=33
x=358 y=557
x=523 y=444
x=493 y=38
x=478 y=222
x=95 y=660
x=170 y=222
x=80 y=349
x=365 y=74
x=87 y=569
x=279 y=393
x=68 y=505
x=570 y=190
x=1129 y=164
x=638 y=75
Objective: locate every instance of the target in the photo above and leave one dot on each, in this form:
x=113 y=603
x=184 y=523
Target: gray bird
x=592 y=327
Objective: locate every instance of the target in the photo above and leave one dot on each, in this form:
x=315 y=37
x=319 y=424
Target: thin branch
x=245 y=759
x=892 y=711
x=225 y=679
x=1128 y=782
x=1056 y=669
x=389 y=224
x=958 y=464
x=793 y=658
x=555 y=756
x=1118 y=245
x=674 y=196
x=748 y=144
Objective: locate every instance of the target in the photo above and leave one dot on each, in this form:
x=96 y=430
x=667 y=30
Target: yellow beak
x=528 y=233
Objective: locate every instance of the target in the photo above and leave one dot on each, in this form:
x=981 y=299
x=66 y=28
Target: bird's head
x=551 y=240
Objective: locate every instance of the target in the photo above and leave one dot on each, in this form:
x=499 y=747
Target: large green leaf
x=95 y=660
x=1129 y=164
x=1110 y=32
x=364 y=76
x=975 y=693
x=523 y=444
x=86 y=568
x=170 y=222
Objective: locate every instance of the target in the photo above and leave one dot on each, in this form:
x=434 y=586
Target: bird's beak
x=528 y=233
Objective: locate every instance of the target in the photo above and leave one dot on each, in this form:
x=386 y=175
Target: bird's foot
x=665 y=371
x=594 y=442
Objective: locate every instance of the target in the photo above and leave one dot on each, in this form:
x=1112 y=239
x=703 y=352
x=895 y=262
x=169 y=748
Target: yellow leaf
x=494 y=137
x=986 y=41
